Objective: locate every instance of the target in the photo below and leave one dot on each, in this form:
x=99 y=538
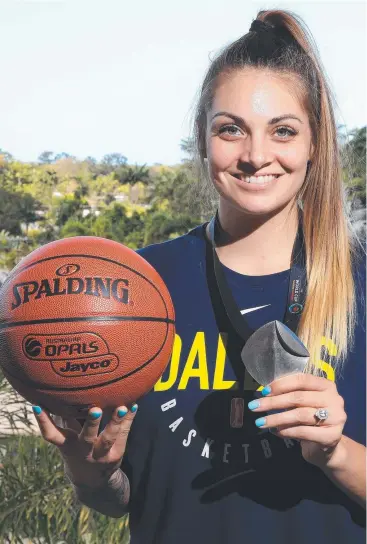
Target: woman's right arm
x=110 y=499
x=92 y=461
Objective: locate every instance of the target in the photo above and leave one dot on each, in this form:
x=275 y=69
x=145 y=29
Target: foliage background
x=60 y=196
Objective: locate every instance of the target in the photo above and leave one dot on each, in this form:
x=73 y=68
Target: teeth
x=259 y=180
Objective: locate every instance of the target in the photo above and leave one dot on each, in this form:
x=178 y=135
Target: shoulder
x=176 y=252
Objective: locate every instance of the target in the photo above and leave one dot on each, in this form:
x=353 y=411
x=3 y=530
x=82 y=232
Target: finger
x=121 y=439
x=89 y=432
x=107 y=438
x=294 y=399
x=300 y=416
x=302 y=382
x=49 y=430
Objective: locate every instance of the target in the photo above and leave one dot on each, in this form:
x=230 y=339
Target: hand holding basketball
x=90 y=458
x=84 y=322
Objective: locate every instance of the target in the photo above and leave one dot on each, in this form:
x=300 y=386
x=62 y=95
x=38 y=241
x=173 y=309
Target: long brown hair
x=286 y=46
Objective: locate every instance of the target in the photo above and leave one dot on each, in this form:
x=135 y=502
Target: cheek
x=293 y=157
x=221 y=155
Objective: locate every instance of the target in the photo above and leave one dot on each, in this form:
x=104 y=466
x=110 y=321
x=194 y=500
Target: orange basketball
x=84 y=322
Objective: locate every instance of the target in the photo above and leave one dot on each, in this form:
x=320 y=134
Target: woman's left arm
x=347 y=469
x=322 y=441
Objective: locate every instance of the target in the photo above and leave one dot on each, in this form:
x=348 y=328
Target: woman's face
x=257 y=127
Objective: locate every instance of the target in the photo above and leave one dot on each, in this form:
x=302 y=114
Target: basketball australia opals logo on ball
x=32 y=347
x=296 y=308
x=71 y=355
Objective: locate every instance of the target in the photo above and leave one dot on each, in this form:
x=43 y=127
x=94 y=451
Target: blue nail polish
x=260 y=422
x=134 y=408
x=95 y=415
x=253 y=404
x=37 y=410
x=266 y=390
x=121 y=412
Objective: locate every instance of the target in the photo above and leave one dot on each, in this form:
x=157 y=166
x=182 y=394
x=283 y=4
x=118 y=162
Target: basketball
x=84 y=322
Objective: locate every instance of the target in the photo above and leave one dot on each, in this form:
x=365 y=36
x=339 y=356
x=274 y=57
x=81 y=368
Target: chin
x=256 y=206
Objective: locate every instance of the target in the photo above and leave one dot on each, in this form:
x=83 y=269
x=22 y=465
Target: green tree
x=90 y=160
x=160 y=226
x=46 y=157
x=354 y=162
x=111 y=162
x=133 y=174
x=69 y=207
x=15 y=209
x=104 y=185
x=75 y=227
x=28 y=210
x=111 y=223
x=176 y=187
x=6 y=155
x=357 y=145
x=63 y=155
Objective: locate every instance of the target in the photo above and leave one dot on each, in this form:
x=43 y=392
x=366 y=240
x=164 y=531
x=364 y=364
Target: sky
x=91 y=77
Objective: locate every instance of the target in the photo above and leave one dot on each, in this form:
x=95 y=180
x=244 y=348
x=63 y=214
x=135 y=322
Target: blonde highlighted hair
x=286 y=46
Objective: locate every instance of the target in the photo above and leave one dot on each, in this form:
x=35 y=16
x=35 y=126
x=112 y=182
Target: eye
x=229 y=129
x=286 y=132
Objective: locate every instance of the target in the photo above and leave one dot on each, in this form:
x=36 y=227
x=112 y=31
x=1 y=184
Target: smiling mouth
x=257 y=180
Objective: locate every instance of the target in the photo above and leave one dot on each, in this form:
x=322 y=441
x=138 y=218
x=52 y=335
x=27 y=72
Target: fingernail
x=121 y=412
x=266 y=390
x=95 y=415
x=37 y=410
x=134 y=407
x=253 y=404
x=260 y=422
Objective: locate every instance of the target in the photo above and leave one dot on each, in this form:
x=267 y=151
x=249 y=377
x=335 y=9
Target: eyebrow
x=272 y=121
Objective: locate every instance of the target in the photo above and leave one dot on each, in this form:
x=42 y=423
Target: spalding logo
x=50 y=287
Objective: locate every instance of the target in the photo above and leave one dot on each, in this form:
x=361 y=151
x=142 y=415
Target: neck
x=257 y=245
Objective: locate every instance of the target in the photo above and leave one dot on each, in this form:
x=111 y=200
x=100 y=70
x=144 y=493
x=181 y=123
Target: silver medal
x=274 y=351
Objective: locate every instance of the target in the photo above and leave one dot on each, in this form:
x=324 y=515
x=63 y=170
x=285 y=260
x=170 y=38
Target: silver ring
x=321 y=414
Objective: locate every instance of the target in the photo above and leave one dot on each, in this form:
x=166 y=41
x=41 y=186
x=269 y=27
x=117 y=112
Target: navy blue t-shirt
x=199 y=469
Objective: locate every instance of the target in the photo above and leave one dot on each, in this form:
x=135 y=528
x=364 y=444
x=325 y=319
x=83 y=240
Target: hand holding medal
x=295 y=402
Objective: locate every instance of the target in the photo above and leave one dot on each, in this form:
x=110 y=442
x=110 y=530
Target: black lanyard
x=296 y=290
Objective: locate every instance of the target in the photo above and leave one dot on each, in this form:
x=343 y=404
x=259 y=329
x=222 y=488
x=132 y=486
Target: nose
x=256 y=152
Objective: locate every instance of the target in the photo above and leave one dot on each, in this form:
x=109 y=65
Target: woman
x=200 y=463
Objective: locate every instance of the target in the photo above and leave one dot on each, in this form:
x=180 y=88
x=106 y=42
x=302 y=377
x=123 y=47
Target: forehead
x=258 y=92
